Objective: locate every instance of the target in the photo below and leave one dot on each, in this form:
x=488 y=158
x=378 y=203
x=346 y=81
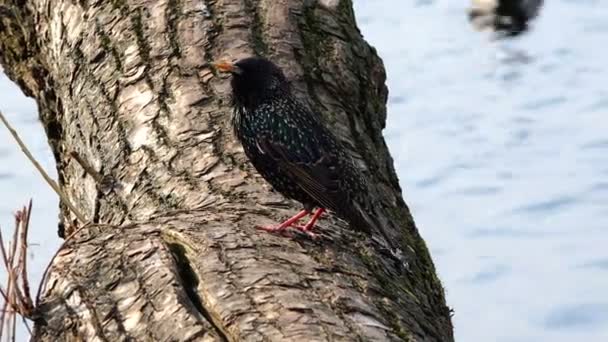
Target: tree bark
x=172 y=253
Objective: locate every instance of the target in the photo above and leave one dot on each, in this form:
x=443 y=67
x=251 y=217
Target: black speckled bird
x=508 y=18
x=289 y=146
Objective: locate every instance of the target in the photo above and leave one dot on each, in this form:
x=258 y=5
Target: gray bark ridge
x=173 y=254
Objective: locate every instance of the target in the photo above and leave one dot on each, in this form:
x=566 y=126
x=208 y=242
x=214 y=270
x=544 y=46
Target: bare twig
x=2 y=317
x=14 y=328
x=105 y=184
x=4 y=296
x=4 y=259
x=27 y=213
x=41 y=170
x=87 y=167
x=16 y=295
x=8 y=291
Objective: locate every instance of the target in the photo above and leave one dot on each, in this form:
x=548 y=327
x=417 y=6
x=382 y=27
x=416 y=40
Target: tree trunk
x=172 y=253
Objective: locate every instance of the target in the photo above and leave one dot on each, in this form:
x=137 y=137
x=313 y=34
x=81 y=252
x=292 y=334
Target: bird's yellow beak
x=225 y=66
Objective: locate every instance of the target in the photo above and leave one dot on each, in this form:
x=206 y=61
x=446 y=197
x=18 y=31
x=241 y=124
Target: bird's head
x=254 y=80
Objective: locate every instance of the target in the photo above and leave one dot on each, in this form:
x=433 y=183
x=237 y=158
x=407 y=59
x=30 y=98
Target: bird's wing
x=314 y=171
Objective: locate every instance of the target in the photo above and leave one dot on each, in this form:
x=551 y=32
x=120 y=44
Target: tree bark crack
x=190 y=282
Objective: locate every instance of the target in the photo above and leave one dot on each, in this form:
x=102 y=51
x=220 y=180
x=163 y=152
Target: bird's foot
x=283 y=226
x=306 y=229
x=280 y=230
x=311 y=224
x=272 y=229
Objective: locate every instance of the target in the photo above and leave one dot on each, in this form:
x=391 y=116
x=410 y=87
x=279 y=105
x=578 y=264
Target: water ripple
x=477 y=191
x=490 y=274
x=548 y=206
x=444 y=174
x=522 y=120
x=431 y=181
x=6 y=175
x=599 y=105
x=600 y=187
x=599 y=144
x=506 y=233
x=396 y=99
x=598 y=264
x=544 y=103
x=518 y=137
x=585 y=315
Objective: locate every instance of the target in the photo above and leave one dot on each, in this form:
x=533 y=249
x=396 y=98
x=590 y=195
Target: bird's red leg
x=289 y=222
x=312 y=221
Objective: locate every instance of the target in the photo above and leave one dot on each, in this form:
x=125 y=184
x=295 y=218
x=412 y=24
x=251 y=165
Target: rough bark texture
x=173 y=253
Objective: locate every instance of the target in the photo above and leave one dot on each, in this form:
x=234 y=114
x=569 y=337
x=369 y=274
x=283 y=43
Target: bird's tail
x=379 y=225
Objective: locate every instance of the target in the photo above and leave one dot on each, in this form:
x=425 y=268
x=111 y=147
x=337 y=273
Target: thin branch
x=14 y=327
x=3 y=252
x=14 y=243
x=3 y=294
x=2 y=316
x=41 y=170
x=87 y=167
x=27 y=213
x=9 y=288
x=17 y=299
x=27 y=325
x=6 y=296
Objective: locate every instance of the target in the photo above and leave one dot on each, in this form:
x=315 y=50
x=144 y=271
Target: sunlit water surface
x=504 y=164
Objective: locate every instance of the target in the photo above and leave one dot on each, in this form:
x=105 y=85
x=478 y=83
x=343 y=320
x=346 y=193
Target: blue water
x=504 y=164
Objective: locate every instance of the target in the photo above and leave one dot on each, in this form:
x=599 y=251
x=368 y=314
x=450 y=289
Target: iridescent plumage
x=289 y=145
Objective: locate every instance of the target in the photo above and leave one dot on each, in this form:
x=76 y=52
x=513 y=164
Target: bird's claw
x=273 y=229
x=305 y=230
x=285 y=231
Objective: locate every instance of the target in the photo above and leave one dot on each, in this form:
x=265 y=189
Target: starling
x=508 y=18
x=289 y=146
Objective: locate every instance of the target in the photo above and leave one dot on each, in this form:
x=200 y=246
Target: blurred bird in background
x=506 y=18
